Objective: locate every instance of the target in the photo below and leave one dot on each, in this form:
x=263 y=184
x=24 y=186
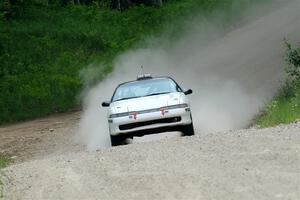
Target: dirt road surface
x=243 y=164
x=41 y=137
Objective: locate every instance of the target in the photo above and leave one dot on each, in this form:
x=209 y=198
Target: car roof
x=147 y=78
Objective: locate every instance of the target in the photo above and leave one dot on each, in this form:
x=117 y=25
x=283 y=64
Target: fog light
x=187 y=109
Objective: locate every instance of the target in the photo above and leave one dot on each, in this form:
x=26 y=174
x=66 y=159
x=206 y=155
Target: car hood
x=145 y=103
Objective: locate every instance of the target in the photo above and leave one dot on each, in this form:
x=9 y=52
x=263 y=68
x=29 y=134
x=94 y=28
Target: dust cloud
x=232 y=73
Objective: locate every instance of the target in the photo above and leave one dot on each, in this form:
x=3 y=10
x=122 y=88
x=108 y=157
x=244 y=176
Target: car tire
x=188 y=130
x=117 y=140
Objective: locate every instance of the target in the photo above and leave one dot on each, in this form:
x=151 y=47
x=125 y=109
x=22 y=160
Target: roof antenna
x=142 y=70
x=142 y=75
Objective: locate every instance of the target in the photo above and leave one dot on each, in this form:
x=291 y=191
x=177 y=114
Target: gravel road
x=243 y=164
x=41 y=137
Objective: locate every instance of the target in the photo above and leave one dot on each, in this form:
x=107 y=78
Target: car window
x=145 y=88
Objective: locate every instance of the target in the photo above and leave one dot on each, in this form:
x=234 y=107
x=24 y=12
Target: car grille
x=151 y=122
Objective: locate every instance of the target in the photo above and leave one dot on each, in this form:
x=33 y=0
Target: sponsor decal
x=163 y=111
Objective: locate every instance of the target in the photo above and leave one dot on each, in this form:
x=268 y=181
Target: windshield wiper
x=125 y=98
x=153 y=94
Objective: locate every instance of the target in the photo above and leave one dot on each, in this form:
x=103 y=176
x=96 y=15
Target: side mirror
x=105 y=104
x=187 y=92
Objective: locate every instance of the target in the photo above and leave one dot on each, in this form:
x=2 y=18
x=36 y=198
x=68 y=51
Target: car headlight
x=119 y=115
x=177 y=106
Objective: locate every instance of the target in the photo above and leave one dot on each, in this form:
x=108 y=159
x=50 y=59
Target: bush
x=293 y=60
x=285 y=108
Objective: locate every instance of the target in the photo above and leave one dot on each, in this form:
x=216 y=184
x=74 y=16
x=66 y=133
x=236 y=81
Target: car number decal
x=133 y=115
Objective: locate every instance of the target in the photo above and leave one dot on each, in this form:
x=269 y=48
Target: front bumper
x=142 y=124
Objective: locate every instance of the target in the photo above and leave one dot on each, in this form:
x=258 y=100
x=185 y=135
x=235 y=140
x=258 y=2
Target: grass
x=4 y=161
x=282 y=110
x=44 y=48
x=285 y=108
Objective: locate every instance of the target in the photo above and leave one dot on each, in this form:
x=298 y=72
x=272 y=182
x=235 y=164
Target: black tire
x=188 y=130
x=117 y=140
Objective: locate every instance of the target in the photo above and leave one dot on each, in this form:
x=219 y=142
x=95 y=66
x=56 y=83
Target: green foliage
x=4 y=160
x=44 y=46
x=285 y=108
x=293 y=59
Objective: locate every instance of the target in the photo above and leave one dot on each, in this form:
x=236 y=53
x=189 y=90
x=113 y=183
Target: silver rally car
x=148 y=105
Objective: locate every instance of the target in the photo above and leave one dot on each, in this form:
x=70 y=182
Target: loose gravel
x=243 y=164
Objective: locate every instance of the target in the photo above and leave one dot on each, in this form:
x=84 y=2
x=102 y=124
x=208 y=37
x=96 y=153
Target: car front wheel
x=188 y=130
x=117 y=140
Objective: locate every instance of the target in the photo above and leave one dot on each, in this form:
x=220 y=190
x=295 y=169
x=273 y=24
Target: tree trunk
x=119 y=5
x=77 y=2
x=159 y=3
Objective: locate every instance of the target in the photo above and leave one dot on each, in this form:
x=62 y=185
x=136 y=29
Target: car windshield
x=145 y=88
